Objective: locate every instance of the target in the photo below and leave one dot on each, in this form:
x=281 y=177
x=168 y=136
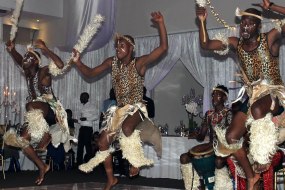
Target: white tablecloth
x=26 y=163
x=169 y=164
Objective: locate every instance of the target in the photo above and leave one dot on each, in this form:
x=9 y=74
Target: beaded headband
x=221 y=90
x=30 y=49
x=240 y=13
x=118 y=36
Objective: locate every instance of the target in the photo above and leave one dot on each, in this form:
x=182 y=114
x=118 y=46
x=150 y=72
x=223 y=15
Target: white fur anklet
x=96 y=160
x=37 y=125
x=133 y=151
x=190 y=177
x=222 y=179
x=263 y=139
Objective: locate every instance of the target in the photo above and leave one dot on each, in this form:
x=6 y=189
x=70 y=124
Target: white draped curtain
x=80 y=13
x=207 y=68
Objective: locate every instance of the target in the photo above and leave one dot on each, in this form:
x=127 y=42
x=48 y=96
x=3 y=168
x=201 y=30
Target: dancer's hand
x=10 y=45
x=157 y=17
x=201 y=13
x=40 y=44
x=264 y=5
x=75 y=56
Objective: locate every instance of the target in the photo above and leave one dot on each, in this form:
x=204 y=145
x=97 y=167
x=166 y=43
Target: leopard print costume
x=127 y=83
x=260 y=62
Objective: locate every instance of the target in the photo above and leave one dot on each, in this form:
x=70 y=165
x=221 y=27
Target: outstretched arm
x=10 y=46
x=157 y=19
x=47 y=52
x=91 y=72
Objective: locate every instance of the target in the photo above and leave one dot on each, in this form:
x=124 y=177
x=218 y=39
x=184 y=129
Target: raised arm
x=47 y=52
x=91 y=72
x=267 y=5
x=157 y=19
x=274 y=35
x=205 y=42
x=10 y=46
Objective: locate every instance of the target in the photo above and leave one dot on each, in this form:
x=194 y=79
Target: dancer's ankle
x=251 y=182
x=111 y=183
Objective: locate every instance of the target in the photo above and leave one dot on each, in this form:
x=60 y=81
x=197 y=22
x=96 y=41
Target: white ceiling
x=33 y=10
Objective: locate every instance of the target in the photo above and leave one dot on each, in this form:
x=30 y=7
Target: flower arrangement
x=192 y=111
x=191 y=103
x=191 y=108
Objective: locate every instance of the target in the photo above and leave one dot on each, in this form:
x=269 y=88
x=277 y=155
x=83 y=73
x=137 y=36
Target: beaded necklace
x=216 y=117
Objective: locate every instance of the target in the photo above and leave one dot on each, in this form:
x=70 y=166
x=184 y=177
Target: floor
x=73 y=179
x=86 y=186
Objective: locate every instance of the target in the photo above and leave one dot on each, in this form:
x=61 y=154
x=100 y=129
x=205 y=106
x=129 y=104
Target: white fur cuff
x=37 y=125
x=263 y=139
x=222 y=179
x=133 y=151
x=96 y=160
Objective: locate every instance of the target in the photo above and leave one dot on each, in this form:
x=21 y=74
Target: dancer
x=219 y=116
x=43 y=109
x=127 y=78
x=258 y=55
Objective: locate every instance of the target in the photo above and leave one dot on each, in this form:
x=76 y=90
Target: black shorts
x=50 y=117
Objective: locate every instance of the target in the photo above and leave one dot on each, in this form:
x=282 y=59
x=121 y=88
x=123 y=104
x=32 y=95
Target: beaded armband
x=225 y=42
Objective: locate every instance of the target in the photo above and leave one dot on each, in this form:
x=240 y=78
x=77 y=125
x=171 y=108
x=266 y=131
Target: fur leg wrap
x=190 y=177
x=96 y=160
x=221 y=146
x=11 y=138
x=37 y=125
x=222 y=179
x=133 y=151
x=263 y=139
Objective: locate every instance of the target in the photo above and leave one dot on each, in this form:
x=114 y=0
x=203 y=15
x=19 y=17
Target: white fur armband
x=278 y=24
x=54 y=70
x=225 y=42
x=201 y=3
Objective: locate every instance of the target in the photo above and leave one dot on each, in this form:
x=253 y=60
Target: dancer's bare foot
x=252 y=182
x=42 y=174
x=133 y=171
x=111 y=184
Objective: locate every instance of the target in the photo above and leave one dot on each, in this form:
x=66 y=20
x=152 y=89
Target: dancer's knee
x=256 y=112
x=220 y=163
x=128 y=131
x=103 y=145
x=25 y=134
x=231 y=138
x=29 y=106
x=184 y=158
